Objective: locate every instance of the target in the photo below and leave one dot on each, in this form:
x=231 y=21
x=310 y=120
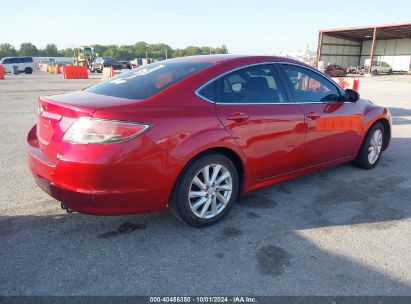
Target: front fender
x=373 y=113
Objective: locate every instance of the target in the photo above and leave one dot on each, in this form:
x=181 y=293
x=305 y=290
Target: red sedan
x=335 y=71
x=193 y=133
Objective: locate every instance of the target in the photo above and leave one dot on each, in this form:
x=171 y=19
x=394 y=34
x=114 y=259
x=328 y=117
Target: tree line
x=123 y=52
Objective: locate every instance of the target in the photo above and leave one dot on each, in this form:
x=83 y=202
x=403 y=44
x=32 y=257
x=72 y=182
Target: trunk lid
x=58 y=112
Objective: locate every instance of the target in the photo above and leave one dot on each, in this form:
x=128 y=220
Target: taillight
x=100 y=131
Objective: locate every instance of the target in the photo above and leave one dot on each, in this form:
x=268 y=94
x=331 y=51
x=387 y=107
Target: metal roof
x=387 y=31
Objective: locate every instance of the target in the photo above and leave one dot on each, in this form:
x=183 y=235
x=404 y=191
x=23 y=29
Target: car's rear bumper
x=106 y=182
x=100 y=203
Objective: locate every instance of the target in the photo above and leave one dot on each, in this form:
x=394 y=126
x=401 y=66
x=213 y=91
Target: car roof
x=218 y=58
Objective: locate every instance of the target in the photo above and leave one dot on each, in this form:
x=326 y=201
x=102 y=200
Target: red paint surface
x=274 y=142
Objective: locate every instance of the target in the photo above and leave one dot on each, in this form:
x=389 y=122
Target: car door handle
x=238 y=117
x=313 y=115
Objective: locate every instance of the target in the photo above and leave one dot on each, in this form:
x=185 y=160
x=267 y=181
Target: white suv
x=24 y=64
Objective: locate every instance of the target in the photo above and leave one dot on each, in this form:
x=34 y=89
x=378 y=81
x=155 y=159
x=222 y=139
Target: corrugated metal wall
x=395 y=52
x=340 y=51
x=344 y=52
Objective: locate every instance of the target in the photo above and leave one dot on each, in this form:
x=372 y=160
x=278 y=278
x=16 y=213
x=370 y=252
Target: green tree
x=140 y=49
x=112 y=50
x=28 y=49
x=99 y=49
x=221 y=50
x=69 y=52
x=178 y=53
x=7 y=50
x=126 y=52
x=50 y=50
x=159 y=50
x=192 y=50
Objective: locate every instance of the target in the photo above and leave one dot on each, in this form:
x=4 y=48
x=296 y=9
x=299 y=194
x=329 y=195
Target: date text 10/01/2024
x=203 y=299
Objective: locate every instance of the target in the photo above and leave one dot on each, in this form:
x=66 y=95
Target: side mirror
x=237 y=87
x=351 y=95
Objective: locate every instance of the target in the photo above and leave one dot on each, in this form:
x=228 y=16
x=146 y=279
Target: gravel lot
x=341 y=231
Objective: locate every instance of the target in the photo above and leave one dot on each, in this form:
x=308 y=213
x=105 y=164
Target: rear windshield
x=147 y=80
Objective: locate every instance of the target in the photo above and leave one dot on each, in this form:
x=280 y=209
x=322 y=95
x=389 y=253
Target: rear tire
x=28 y=70
x=371 y=149
x=201 y=201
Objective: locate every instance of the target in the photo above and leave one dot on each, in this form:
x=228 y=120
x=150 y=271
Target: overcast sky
x=244 y=26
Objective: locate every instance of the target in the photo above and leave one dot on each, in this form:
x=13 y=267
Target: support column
x=374 y=38
x=319 y=47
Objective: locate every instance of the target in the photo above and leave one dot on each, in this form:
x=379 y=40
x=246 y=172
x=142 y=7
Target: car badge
x=40 y=110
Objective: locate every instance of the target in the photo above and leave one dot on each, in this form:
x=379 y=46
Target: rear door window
x=256 y=84
x=147 y=80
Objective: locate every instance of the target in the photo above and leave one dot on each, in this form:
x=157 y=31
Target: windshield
x=147 y=80
x=87 y=51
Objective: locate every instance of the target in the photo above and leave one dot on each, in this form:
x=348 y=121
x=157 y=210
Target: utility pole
x=166 y=54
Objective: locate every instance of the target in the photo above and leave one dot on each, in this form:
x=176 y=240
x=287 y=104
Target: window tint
x=208 y=91
x=147 y=80
x=257 y=84
x=6 y=61
x=309 y=86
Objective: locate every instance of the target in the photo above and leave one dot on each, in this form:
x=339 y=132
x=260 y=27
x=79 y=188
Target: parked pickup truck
x=378 y=67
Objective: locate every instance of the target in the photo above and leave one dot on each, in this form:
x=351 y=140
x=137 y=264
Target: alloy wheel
x=210 y=191
x=375 y=147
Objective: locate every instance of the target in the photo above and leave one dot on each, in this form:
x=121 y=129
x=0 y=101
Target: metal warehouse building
x=346 y=47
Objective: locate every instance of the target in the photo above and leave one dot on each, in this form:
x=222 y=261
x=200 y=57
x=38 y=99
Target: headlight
x=100 y=131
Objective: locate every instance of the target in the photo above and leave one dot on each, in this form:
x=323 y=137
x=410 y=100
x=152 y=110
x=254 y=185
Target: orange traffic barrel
x=1 y=72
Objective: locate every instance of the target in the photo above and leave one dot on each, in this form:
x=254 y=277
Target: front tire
x=28 y=70
x=371 y=148
x=206 y=190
